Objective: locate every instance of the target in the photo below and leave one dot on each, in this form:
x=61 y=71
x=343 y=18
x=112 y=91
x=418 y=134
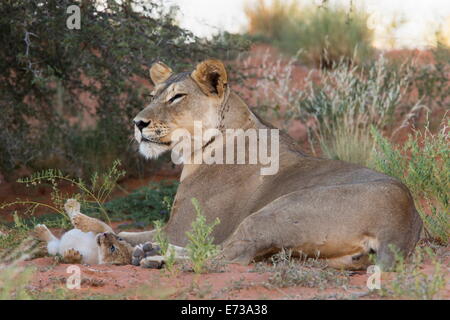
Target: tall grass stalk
x=347 y=102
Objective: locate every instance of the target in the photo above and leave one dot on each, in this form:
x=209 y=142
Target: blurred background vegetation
x=68 y=96
x=321 y=35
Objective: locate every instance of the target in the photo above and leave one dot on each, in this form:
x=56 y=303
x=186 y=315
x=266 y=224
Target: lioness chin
x=323 y=208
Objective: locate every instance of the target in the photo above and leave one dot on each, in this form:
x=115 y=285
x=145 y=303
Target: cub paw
x=80 y=222
x=40 y=232
x=72 y=256
x=72 y=206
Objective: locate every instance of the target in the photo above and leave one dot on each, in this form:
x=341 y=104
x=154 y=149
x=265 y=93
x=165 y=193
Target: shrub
x=143 y=205
x=345 y=102
x=68 y=96
x=432 y=80
x=201 y=247
x=92 y=195
x=325 y=34
x=423 y=165
x=411 y=282
x=268 y=20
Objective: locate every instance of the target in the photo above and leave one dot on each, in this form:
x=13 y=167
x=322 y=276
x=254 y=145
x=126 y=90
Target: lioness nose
x=141 y=124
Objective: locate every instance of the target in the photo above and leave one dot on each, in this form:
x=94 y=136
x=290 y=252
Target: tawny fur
x=91 y=242
x=340 y=211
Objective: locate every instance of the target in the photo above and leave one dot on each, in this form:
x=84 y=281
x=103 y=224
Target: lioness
x=338 y=211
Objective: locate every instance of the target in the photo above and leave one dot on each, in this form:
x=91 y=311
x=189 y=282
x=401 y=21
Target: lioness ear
x=211 y=76
x=159 y=72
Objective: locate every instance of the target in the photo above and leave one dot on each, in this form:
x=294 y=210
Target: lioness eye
x=112 y=249
x=176 y=97
x=148 y=96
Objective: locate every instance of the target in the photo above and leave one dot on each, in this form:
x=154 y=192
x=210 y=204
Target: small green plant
x=92 y=195
x=170 y=259
x=14 y=281
x=144 y=205
x=15 y=244
x=423 y=165
x=201 y=247
x=411 y=281
x=160 y=237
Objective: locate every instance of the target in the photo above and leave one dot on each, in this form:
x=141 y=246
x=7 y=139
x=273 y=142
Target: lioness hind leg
x=72 y=256
x=135 y=238
x=244 y=244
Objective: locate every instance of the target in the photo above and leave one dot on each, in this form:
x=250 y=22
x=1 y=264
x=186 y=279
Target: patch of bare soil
x=130 y=282
x=234 y=282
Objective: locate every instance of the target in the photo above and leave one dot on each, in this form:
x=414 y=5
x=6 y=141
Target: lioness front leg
x=83 y=222
x=149 y=255
x=135 y=238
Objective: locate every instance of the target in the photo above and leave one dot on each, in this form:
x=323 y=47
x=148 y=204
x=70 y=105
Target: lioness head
x=177 y=101
x=113 y=250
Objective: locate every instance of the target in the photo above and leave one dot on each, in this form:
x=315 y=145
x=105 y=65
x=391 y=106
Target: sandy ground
x=235 y=282
x=130 y=282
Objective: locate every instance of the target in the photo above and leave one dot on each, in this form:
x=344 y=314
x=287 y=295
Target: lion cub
x=91 y=242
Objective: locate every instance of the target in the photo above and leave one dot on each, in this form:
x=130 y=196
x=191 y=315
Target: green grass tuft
x=423 y=165
x=200 y=247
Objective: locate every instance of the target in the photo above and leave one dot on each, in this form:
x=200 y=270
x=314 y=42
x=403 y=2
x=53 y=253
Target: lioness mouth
x=155 y=141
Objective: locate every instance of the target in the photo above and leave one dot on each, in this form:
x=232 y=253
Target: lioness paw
x=143 y=251
x=152 y=262
x=138 y=255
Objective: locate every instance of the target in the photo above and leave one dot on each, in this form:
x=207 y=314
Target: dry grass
x=326 y=34
x=312 y=273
